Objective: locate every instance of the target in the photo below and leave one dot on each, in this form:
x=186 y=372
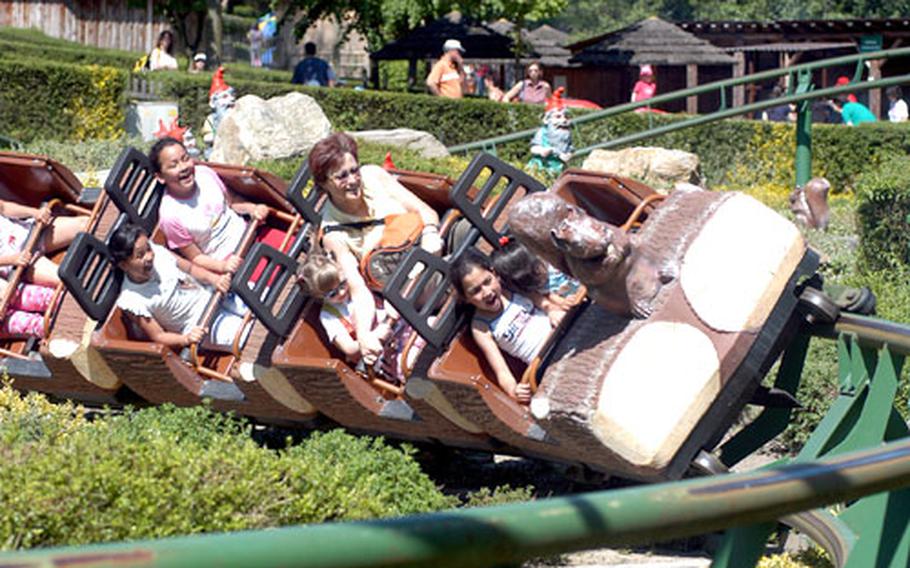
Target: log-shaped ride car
x=160 y=374
x=62 y=363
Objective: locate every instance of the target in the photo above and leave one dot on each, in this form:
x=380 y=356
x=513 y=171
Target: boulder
x=415 y=140
x=658 y=167
x=281 y=127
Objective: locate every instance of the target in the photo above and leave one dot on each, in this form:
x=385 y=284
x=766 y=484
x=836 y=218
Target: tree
x=180 y=13
x=519 y=12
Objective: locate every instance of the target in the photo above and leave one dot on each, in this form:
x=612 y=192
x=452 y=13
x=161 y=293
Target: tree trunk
x=214 y=14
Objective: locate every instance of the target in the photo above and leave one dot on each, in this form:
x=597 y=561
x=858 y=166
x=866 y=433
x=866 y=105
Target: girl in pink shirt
x=646 y=86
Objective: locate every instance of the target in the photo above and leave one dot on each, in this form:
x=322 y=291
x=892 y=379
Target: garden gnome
x=551 y=147
x=221 y=99
x=179 y=133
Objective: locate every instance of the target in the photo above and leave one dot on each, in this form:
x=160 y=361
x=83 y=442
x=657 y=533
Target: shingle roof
x=479 y=40
x=651 y=41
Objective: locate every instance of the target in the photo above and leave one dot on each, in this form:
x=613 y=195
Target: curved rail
x=504 y=534
x=724 y=112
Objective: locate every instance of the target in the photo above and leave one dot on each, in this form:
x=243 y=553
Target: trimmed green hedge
x=168 y=471
x=882 y=211
x=61 y=101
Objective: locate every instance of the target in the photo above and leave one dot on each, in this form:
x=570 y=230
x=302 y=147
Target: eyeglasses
x=337 y=290
x=342 y=175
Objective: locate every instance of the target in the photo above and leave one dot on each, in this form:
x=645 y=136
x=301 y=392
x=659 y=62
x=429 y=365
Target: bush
x=42 y=100
x=166 y=471
x=882 y=211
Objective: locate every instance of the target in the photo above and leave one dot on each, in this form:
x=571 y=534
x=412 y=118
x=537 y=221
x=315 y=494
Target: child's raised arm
x=156 y=333
x=484 y=340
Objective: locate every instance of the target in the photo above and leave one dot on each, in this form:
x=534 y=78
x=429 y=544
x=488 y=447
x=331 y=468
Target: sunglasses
x=343 y=175
x=337 y=290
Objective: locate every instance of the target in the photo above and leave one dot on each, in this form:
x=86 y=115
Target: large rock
x=415 y=140
x=658 y=167
x=281 y=127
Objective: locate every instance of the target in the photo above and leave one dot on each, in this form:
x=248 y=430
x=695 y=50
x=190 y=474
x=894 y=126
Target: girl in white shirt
x=898 y=111
x=503 y=320
x=161 y=57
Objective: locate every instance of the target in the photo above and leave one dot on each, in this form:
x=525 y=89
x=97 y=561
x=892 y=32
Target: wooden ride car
x=61 y=363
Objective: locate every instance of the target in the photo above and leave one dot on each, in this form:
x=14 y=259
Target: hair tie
x=504 y=240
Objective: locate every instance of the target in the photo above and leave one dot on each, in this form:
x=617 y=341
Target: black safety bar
x=133 y=188
x=262 y=297
x=478 y=209
x=305 y=202
x=436 y=320
x=90 y=276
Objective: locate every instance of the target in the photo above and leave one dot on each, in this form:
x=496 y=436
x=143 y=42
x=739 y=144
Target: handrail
x=746 y=109
x=708 y=87
x=508 y=534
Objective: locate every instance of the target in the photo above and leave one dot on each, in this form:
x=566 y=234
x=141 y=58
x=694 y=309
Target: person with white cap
x=197 y=65
x=646 y=86
x=447 y=78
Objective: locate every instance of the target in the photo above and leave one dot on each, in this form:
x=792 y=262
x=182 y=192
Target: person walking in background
x=447 y=78
x=897 y=109
x=161 y=57
x=255 y=37
x=852 y=113
x=313 y=71
x=531 y=89
x=646 y=86
x=844 y=80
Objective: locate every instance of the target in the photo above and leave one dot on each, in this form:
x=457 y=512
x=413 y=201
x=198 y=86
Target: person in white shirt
x=897 y=111
x=162 y=56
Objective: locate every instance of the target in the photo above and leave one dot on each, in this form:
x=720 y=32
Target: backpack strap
x=348 y=325
x=356 y=225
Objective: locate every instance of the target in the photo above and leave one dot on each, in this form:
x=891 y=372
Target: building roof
x=651 y=41
x=479 y=40
x=792 y=46
x=803 y=28
x=547 y=43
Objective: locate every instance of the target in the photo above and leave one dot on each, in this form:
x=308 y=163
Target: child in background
x=25 y=314
x=527 y=274
x=503 y=320
x=321 y=278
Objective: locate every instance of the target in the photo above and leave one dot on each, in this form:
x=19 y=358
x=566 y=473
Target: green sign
x=871 y=42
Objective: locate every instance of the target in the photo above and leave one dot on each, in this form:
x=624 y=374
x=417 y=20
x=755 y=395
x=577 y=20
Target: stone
x=415 y=140
x=281 y=127
x=658 y=167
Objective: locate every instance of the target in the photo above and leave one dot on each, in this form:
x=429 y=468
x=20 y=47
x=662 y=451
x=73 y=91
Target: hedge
x=61 y=101
x=169 y=471
x=883 y=208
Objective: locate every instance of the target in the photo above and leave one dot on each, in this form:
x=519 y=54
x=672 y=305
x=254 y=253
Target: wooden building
x=608 y=64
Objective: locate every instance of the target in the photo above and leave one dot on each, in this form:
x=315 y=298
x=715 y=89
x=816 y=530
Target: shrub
x=882 y=211
x=166 y=471
x=39 y=99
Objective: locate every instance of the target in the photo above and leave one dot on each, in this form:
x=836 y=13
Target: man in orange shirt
x=447 y=77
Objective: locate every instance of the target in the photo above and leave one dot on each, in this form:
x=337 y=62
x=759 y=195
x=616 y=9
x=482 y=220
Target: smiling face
x=481 y=289
x=177 y=171
x=344 y=184
x=139 y=266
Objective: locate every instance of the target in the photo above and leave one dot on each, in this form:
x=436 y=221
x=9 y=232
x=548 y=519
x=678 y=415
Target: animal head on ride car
x=557 y=230
x=555 y=115
x=221 y=95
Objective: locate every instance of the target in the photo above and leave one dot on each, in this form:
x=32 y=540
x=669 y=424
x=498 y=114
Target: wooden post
x=739 y=69
x=875 y=95
x=692 y=81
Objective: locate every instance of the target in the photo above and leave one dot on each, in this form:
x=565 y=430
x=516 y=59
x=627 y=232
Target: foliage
x=486 y=497
x=165 y=471
x=87 y=155
x=65 y=102
x=883 y=209
x=809 y=558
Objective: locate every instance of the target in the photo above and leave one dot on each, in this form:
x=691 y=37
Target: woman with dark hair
x=162 y=56
x=897 y=107
x=532 y=89
x=197 y=215
x=360 y=198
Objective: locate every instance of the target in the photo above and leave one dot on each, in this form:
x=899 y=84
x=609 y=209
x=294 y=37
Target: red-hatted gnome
x=551 y=147
x=177 y=132
x=221 y=99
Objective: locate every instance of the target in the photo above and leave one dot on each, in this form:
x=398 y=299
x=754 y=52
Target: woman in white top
x=897 y=111
x=161 y=57
x=362 y=194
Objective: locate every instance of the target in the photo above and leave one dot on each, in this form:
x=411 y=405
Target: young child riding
x=503 y=319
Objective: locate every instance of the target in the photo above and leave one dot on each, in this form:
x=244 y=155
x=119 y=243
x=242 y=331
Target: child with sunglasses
x=322 y=278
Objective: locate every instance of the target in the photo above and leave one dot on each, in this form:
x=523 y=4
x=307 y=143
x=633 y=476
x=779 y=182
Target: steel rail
x=707 y=88
x=510 y=533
